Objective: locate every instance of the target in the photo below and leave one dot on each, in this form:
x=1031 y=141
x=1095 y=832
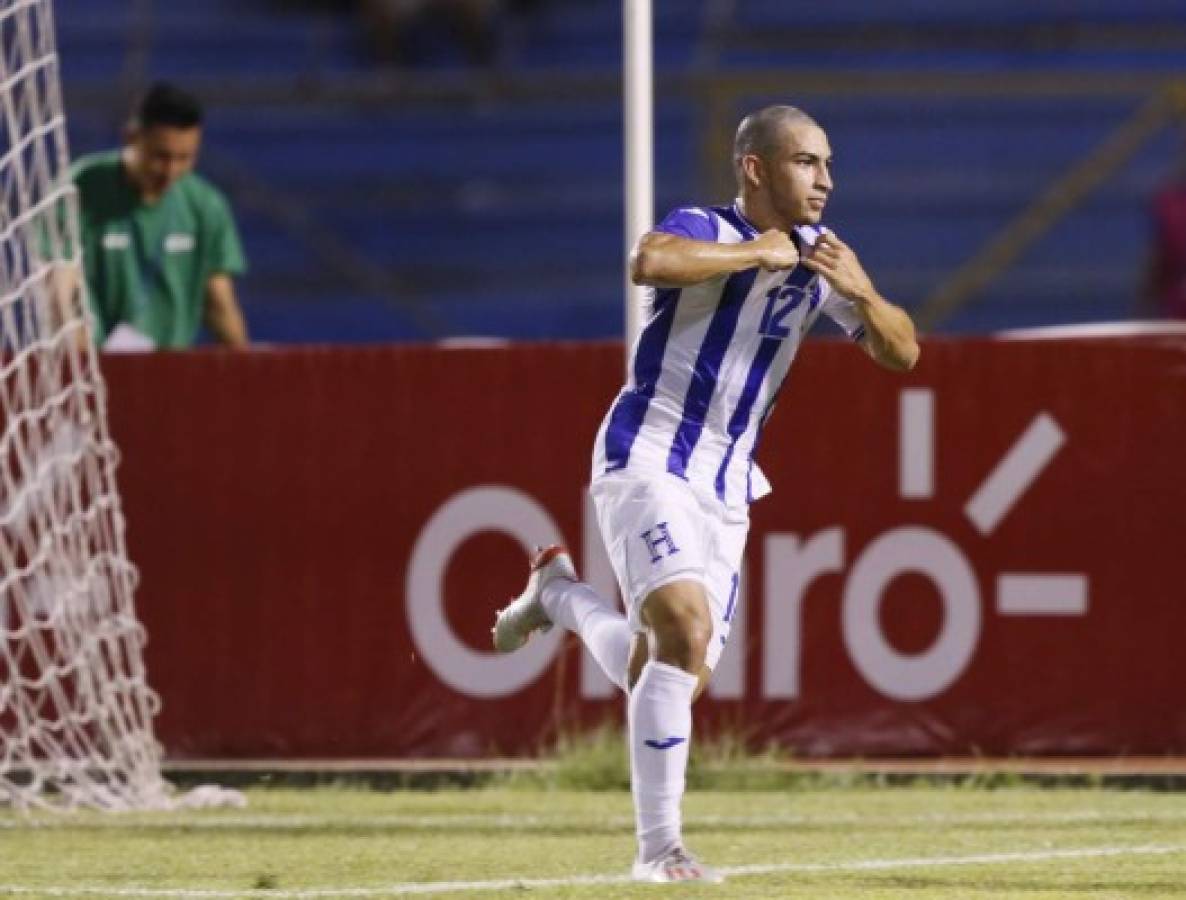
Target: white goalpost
x=638 y=115
x=75 y=706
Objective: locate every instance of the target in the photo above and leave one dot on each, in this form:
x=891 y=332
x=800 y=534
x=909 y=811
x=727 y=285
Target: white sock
x=660 y=713
x=576 y=606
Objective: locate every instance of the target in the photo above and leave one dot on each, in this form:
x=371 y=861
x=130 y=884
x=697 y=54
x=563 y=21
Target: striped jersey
x=708 y=364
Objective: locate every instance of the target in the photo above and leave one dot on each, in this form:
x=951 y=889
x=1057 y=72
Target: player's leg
x=679 y=627
x=603 y=629
x=554 y=595
x=640 y=653
x=688 y=624
x=722 y=579
x=654 y=540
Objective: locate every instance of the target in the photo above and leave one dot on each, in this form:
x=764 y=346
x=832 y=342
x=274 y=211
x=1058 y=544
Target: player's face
x=799 y=177
x=162 y=155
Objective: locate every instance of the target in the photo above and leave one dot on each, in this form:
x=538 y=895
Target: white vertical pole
x=639 y=121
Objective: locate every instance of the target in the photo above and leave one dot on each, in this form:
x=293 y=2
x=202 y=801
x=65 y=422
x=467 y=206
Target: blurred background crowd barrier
x=410 y=171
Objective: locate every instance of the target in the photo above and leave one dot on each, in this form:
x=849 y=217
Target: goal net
x=75 y=707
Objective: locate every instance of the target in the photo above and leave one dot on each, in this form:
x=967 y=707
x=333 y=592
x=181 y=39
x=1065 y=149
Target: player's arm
x=65 y=298
x=223 y=316
x=889 y=333
x=668 y=260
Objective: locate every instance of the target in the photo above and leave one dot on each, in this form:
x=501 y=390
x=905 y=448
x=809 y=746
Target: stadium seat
x=505 y=218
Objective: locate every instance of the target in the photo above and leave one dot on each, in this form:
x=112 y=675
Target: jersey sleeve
x=694 y=222
x=223 y=250
x=842 y=311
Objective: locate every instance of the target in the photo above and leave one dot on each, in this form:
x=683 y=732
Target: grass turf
x=834 y=842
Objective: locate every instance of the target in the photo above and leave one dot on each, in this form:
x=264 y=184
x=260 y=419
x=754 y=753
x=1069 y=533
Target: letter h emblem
x=658 y=540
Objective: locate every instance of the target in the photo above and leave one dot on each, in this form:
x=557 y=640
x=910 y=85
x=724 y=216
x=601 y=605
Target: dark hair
x=168 y=105
x=760 y=132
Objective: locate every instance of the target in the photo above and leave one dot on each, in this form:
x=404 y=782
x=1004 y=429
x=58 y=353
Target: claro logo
x=792 y=563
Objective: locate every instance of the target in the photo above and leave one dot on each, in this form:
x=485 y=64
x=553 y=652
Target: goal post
x=639 y=127
x=76 y=709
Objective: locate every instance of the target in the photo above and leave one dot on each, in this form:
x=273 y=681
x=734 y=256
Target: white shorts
x=658 y=530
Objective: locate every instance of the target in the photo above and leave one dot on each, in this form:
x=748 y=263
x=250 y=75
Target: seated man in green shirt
x=159 y=242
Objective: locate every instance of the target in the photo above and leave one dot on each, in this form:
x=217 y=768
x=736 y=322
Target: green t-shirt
x=148 y=265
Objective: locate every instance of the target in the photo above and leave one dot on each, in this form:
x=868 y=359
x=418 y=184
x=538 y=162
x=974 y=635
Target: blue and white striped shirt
x=706 y=368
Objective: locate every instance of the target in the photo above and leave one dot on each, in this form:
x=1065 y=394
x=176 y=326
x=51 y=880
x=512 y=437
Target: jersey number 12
x=781 y=301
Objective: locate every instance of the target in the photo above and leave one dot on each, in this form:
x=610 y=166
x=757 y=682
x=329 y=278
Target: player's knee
x=683 y=646
x=680 y=625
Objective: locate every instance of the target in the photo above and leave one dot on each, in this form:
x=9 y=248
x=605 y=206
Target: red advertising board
x=977 y=557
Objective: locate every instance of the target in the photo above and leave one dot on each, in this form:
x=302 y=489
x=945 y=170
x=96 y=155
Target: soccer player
x=160 y=246
x=735 y=289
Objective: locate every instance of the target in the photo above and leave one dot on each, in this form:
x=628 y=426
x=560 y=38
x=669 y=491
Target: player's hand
x=775 y=250
x=836 y=261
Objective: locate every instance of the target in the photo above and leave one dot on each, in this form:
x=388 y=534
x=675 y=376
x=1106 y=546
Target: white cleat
x=675 y=865
x=525 y=614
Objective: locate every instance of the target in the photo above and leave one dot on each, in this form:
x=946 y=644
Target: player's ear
x=753 y=170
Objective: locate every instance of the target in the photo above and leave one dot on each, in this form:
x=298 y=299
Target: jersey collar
x=807 y=235
x=750 y=228
x=802 y=235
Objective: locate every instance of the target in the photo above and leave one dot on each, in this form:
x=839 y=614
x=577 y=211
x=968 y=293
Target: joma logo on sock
x=665 y=744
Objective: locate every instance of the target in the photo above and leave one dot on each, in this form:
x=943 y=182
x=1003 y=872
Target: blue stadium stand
x=505 y=219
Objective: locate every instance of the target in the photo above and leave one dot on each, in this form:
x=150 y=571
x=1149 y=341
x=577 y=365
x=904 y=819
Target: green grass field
x=915 y=842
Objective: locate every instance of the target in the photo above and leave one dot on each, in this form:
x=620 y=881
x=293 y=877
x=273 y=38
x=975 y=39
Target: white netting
x=75 y=706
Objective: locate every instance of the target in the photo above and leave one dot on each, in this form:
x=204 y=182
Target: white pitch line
x=446 y=822
x=404 y=889
x=979 y=859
